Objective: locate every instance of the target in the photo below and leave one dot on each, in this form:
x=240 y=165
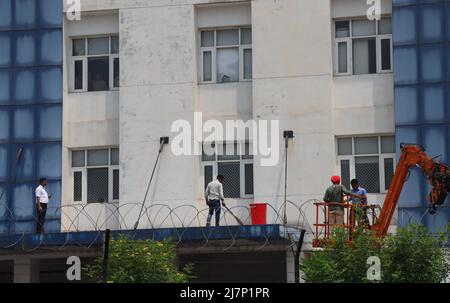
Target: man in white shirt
x=42 y=198
x=213 y=196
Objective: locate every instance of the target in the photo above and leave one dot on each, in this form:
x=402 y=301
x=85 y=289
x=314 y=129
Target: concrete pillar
x=26 y=270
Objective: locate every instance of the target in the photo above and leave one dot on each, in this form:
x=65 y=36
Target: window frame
x=85 y=58
x=84 y=173
x=349 y=40
x=213 y=49
x=242 y=163
x=381 y=156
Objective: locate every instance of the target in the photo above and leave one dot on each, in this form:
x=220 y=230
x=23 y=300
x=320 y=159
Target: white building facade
x=132 y=68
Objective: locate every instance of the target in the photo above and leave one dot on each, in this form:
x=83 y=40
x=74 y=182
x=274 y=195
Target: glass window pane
x=25 y=49
x=23 y=123
x=5 y=89
x=116 y=184
x=4 y=124
x=25 y=13
x=404 y=28
x=208 y=152
x=364 y=56
x=345 y=173
x=248 y=63
x=77 y=186
x=50 y=85
x=50 y=13
x=4 y=159
x=432 y=25
x=78 y=74
x=228 y=37
x=97 y=157
x=366 y=145
x=432 y=59
x=5 y=49
x=406 y=105
x=79 y=47
x=207 y=38
x=363 y=28
x=208 y=174
x=5 y=14
x=98 y=74
x=116 y=72
x=207 y=66
x=342 y=29
x=97 y=185
x=228 y=65
x=78 y=158
x=246 y=36
x=248 y=179
x=51 y=113
x=232 y=182
x=385 y=26
x=405 y=65
x=50 y=47
x=49 y=160
x=386 y=54
x=114 y=45
x=98 y=46
x=387 y=144
x=228 y=152
x=388 y=172
x=433 y=103
x=342 y=57
x=344 y=146
x=367 y=172
x=25 y=86
x=114 y=156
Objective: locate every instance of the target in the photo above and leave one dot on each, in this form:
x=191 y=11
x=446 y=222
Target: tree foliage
x=140 y=261
x=412 y=255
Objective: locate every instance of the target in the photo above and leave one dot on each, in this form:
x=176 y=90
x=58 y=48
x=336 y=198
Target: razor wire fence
x=97 y=217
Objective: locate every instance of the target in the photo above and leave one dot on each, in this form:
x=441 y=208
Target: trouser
x=41 y=218
x=214 y=206
x=336 y=218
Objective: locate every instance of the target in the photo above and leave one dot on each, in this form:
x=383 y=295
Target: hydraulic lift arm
x=438 y=175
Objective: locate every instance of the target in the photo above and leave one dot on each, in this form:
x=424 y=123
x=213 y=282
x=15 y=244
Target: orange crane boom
x=438 y=174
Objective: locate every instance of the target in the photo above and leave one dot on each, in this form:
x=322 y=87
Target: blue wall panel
x=30 y=109
x=422 y=96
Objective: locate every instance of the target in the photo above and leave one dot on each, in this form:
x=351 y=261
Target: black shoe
x=208 y=224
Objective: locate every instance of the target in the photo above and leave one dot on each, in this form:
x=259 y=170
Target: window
x=226 y=55
x=371 y=160
x=95 y=174
x=363 y=47
x=235 y=162
x=95 y=64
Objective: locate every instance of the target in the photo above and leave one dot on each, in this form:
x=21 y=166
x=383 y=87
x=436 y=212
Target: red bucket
x=258 y=212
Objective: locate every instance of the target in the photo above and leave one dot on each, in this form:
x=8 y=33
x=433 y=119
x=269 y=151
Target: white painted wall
x=293 y=82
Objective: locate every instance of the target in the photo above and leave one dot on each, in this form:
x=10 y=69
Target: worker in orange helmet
x=335 y=194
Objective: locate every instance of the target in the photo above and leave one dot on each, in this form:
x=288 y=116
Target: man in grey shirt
x=213 y=196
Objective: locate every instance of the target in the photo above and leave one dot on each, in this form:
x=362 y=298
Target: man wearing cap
x=335 y=193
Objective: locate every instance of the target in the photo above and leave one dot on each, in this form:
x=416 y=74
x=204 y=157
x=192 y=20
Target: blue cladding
x=432 y=57
x=406 y=105
x=25 y=87
x=30 y=109
x=404 y=24
x=50 y=89
x=432 y=23
x=433 y=102
x=5 y=49
x=25 y=48
x=422 y=97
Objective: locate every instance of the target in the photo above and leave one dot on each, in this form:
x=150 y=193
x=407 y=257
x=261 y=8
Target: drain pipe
x=297 y=255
